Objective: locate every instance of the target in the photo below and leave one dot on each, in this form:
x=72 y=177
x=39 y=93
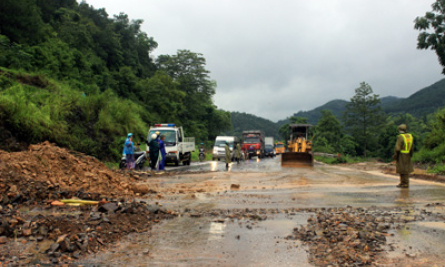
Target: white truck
x=177 y=147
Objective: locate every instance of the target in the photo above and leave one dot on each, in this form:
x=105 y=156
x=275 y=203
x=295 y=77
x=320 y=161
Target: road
x=244 y=216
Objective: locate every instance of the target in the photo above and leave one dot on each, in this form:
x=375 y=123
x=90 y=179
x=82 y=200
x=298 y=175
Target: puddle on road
x=417 y=244
x=205 y=241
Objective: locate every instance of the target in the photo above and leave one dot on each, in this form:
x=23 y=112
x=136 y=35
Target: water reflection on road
x=196 y=238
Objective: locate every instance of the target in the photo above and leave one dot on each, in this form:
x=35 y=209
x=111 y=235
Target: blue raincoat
x=163 y=153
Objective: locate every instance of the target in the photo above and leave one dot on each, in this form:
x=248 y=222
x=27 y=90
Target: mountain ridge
x=423 y=102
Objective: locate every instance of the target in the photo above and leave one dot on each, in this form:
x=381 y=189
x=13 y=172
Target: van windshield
x=170 y=136
x=280 y=145
x=251 y=140
x=223 y=143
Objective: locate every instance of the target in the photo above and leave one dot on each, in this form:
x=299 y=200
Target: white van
x=219 y=151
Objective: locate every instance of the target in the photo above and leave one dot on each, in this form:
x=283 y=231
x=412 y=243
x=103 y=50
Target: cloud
x=274 y=58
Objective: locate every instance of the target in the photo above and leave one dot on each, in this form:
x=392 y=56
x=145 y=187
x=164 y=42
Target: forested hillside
x=82 y=79
x=425 y=101
x=337 y=107
x=422 y=103
x=243 y=121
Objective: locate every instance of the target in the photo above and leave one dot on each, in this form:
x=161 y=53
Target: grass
x=343 y=159
x=195 y=154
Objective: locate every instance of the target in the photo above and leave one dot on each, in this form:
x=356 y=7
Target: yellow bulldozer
x=299 y=147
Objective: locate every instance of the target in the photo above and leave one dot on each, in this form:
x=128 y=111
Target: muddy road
x=259 y=214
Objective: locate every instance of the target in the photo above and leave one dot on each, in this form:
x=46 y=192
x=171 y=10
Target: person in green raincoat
x=153 y=151
x=403 y=152
x=238 y=152
x=228 y=155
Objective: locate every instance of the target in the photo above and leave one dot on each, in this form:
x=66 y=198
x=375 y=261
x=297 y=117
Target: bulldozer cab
x=299 y=138
x=299 y=146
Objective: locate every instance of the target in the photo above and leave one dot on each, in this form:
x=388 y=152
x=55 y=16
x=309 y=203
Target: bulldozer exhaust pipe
x=297 y=159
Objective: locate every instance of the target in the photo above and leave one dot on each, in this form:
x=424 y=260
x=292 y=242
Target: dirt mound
x=47 y=165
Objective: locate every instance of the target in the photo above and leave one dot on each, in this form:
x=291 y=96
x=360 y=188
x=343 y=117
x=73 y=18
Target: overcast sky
x=275 y=58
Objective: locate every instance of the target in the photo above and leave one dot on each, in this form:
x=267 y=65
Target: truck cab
x=178 y=148
x=253 y=143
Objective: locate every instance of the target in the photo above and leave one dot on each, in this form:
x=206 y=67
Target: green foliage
x=109 y=84
x=242 y=122
x=198 y=114
x=328 y=134
x=195 y=154
x=339 y=160
x=94 y=124
x=433 y=150
x=425 y=101
x=363 y=117
x=432 y=34
x=437 y=169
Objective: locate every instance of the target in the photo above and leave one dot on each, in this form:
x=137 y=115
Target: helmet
x=153 y=136
x=157 y=132
x=402 y=128
x=130 y=134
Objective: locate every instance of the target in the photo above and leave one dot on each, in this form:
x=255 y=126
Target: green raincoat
x=228 y=158
x=404 y=164
x=238 y=151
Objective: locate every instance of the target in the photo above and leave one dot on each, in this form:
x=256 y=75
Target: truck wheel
x=176 y=163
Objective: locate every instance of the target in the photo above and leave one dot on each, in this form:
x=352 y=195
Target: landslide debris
x=47 y=165
x=37 y=228
x=63 y=234
x=352 y=236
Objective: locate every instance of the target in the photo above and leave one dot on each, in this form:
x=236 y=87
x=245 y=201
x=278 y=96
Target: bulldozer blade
x=297 y=159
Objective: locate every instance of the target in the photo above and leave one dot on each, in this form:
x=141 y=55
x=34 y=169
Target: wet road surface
x=242 y=217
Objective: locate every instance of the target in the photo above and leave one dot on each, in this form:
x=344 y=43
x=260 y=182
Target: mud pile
x=47 y=166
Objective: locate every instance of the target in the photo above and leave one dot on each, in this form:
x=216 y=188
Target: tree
x=433 y=38
x=188 y=70
x=328 y=133
x=21 y=21
x=363 y=116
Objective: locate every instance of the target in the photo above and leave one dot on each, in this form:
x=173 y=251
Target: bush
x=95 y=124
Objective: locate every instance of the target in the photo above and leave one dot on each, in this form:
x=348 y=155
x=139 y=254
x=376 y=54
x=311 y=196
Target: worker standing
x=129 y=151
x=154 y=151
x=228 y=156
x=163 y=153
x=403 y=152
x=238 y=152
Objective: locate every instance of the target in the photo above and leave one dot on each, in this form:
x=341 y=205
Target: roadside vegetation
x=76 y=77
x=73 y=75
x=365 y=133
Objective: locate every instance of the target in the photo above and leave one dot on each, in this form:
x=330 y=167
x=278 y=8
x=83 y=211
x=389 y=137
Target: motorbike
x=202 y=154
x=139 y=159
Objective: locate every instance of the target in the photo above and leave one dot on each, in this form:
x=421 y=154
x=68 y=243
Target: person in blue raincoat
x=163 y=153
x=154 y=151
x=129 y=151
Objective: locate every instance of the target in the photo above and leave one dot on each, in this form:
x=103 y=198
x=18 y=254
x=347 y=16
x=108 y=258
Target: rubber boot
x=404 y=181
